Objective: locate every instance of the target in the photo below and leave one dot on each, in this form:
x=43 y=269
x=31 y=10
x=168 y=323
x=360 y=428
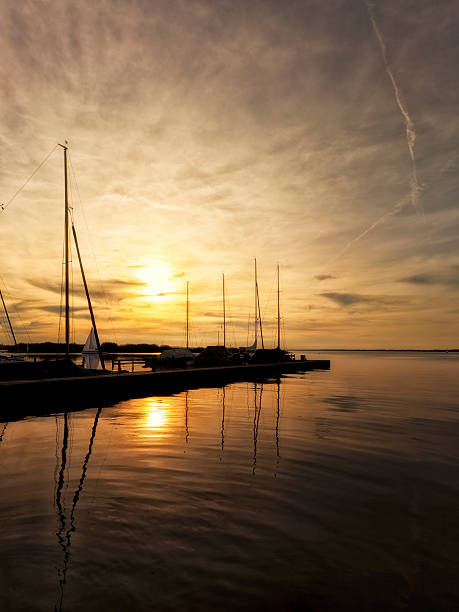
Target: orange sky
x=322 y=136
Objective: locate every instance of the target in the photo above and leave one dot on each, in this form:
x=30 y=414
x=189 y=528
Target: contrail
x=401 y=204
x=410 y=130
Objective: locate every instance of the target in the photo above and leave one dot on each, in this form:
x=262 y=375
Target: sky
x=320 y=135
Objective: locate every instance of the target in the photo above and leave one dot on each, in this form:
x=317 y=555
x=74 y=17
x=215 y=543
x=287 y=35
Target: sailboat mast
x=257 y=307
x=256 y=303
x=278 y=309
x=8 y=319
x=224 y=312
x=91 y=313
x=66 y=254
x=187 y=316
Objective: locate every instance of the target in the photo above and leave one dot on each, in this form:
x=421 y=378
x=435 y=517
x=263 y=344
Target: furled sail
x=89 y=352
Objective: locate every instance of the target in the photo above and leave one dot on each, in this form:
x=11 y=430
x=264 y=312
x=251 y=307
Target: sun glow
x=157 y=279
x=156 y=415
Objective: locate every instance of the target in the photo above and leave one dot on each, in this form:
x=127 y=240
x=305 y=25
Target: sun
x=157 y=279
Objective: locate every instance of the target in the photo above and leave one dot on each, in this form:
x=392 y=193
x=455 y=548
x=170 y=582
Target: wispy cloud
x=409 y=124
x=379 y=221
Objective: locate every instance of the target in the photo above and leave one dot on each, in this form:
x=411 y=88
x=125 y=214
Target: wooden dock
x=30 y=397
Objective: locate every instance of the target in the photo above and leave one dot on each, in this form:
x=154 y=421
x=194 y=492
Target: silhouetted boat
x=249 y=351
x=277 y=354
x=92 y=351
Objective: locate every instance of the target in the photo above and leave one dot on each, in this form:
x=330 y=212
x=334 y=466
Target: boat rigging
x=66 y=266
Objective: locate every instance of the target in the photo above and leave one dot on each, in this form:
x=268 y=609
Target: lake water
x=329 y=490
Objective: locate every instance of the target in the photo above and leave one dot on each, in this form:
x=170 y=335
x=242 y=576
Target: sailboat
x=250 y=350
x=179 y=356
x=218 y=354
x=64 y=368
x=277 y=354
x=93 y=343
x=90 y=353
x=6 y=358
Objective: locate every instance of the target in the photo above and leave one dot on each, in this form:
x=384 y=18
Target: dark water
x=328 y=491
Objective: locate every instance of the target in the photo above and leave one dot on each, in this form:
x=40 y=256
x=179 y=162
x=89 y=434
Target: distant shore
x=114 y=348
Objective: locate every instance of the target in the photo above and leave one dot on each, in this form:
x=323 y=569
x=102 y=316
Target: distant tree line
x=107 y=347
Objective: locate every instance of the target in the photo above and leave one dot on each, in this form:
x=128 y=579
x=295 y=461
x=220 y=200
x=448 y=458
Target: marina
x=68 y=391
x=228 y=306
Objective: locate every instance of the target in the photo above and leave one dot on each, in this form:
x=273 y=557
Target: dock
x=45 y=396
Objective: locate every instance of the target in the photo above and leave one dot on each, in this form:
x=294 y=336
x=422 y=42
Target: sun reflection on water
x=156 y=416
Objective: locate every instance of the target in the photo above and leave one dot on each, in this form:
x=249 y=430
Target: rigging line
x=101 y=284
x=268 y=299
x=23 y=325
x=4 y=326
x=62 y=296
x=6 y=320
x=4 y=206
x=72 y=296
x=72 y=292
x=13 y=308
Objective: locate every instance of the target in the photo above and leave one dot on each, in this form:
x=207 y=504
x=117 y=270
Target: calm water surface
x=325 y=491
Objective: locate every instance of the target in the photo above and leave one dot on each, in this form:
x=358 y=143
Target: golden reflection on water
x=156 y=416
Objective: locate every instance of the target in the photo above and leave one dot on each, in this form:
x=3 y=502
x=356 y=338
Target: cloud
x=448 y=278
x=113 y=286
x=59 y=309
x=166 y=293
x=346 y=300
x=322 y=277
x=420 y=279
x=45 y=285
x=409 y=125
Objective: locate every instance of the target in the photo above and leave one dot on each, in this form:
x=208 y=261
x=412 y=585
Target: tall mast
x=8 y=319
x=278 y=309
x=256 y=303
x=66 y=254
x=257 y=306
x=224 y=312
x=91 y=313
x=187 y=316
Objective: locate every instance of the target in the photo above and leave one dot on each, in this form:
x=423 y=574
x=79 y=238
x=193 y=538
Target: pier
x=32 y=397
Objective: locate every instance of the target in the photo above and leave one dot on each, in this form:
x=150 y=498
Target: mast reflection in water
x=66 y=521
